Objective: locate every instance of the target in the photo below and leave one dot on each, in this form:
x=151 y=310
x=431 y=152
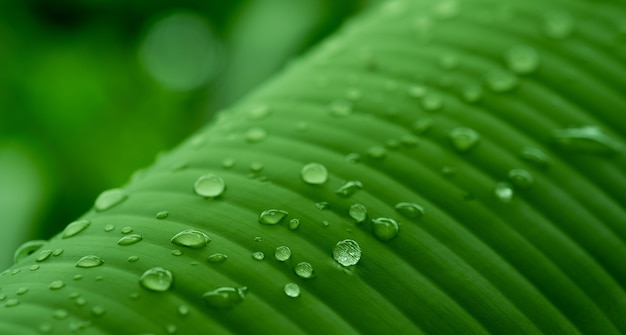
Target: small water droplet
x=258 y=255
x=304 y=270
x=385 y=229
x=56 y=285
x=177 y=252
x=501 y=81
x=99 y=278
x=132 y=259
x=256 y=167
x=3 y=296
x=78 y=277
x=417 y=91
x=272 y=216
x=558 y=25
x=422 y=126
x=127 y=230
x=15 y=271
x=349 y=188
x=109 y=227
x=171 y=328
x=98 y=311
x=162 y=215
x=45 y=328
x=34 y=267
x=22 y=291
x=587 y=139
x=191 y=238
x=535 y=156
x=282 y=253
x=293 y=224
x=522 y=59
x=292 y=290
x=464 y=139
x=228 y=163
x=89 y=261
x=347 y=252
x=377 y=152
x=358 y=213
x=156 y=279
x=504 y=192
x=57 y=252
x=217 y=258
x=340 y=108
x=259 y=112
x=521 y=178
x=129 y=239
x=314 y=174
x=225 y=297
x=410 y=210
x=60 y=314
x=353 y=157
x=27 y=249
x=322 y=205
x=110 y=198
x=75 y=228
x=43 y=255
x=12 y=302
x=258 y=239
x=432 y=102
x=472 y=93
x=183 y=310
x=255 y=135
x=209 y=185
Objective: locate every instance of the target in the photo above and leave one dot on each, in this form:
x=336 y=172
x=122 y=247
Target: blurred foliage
x=81 y=107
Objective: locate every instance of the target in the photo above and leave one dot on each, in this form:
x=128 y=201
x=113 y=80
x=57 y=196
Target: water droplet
x=354 y=94
x=292 y=290
x=209 y=185
x=110 y=198
x=12 y=302
x=358 y=213
x=293 y=224
x=75 y=228
x=422 y=126
x=472 y=93
x=340 y=108
x=258 y=255
x=377 y=152
x=349 y=188
x=258 y=239
x=3 y=296
x=60 y=314
x=259 y=112
x=282 y=253
x=98 y=311
x=177 y=252
x=78 y=277
x=409 y=141
x=432 y=102
x=156 y=279
x=353 y=157
x=522 y=59
x=501 y=81
x=21 y=291
x=304 y=270
x=521 y=178
x=217 y=258
x=45 y=328
x=109 y=227
x=27 y=249
x=127 y=230
x=256 y=167
x=504 y=191
x=535 y=156
x=272 y=216
x=347 y=252
x=57 y=252
x=417 y=91
x=322 y=205
x=225 y=297
x=464 y=139
x=34 y=267
x=191 y=238
x=558 y=25
x=183 y=310
x=587 y=139
x=162 y=215
x=56 y=285
x=255 y=135
x=171 y=328
x=132 y=259
x=129 y=239
x=314 y=174
x=410 y=210
x=43 y=255
x=385 y=229
x=89 y=261
x=228 y=163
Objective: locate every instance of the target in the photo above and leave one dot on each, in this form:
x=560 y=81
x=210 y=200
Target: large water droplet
x=349 y=188
x=157 y=279
x=535 y=156
x=282 y=253
x=304 y=270
x=191 y=238
x=129 y=239
x=27 y=249
x=385 y=229
x=22 y=290
x=225 y=297
x=56 y=285
x=521 y=178
x=587 y=139
x=209 y=185
x=410 y=210
x=347 y=252
x=358 y=213
x=43 y=255
x=89 y=261
x=255 y=135
x=75 y=228
x=217 y=258
x=110 y=198
x=314 y=174
x=12 y=302
x=272 y=216
x=504 y=192
x=501 y=81
x=292 y=290
x=464 y=139
x=522 y=59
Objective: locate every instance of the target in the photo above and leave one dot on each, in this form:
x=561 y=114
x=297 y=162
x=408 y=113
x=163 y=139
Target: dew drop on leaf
x=472 y=93
x=110 y=198
x=22 y=291
x=272 y=216
x=535 y=156
x=12 y=302
x=256 y=167
x=586 y=139
x=501 y=81
x=132 y=259
x=156 y=279
x=43 y=255
x=558 y=25
x=353 y=157
x=314 y=174
x=109 y=227
x=259 y=112
x=504 y=192
x=89 y=261
x=358 y=213
x=282 y=253
x=255 y=135
x=304 y=270
x=293 y=224
x=463 y=139
x=57 y=252
x=385 y=229
x=217 y=258
x=75 y=228
x=34 y=267
x=322 y=205
x=27 y=249
x=228 y=163
x=183 y=310
x=422 y=126
x=410 y=210
x=377 y=152
x=258 y=255
x=349 y=188
x=129 y=239
x=98 y=311
x=191 y=238
x=161 y=215
x=347 y=252
x=522 y=59
x=340 y=108
x=56 y=285
x=292 y=290
x=521 y=178
x=225 y=297
x=432 y=102
x=209 y=185
x=127 y=230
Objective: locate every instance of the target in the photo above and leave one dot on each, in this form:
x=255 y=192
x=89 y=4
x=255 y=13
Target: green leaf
x=482 y=140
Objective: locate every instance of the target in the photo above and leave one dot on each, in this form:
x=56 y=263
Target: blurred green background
x=92 y=90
